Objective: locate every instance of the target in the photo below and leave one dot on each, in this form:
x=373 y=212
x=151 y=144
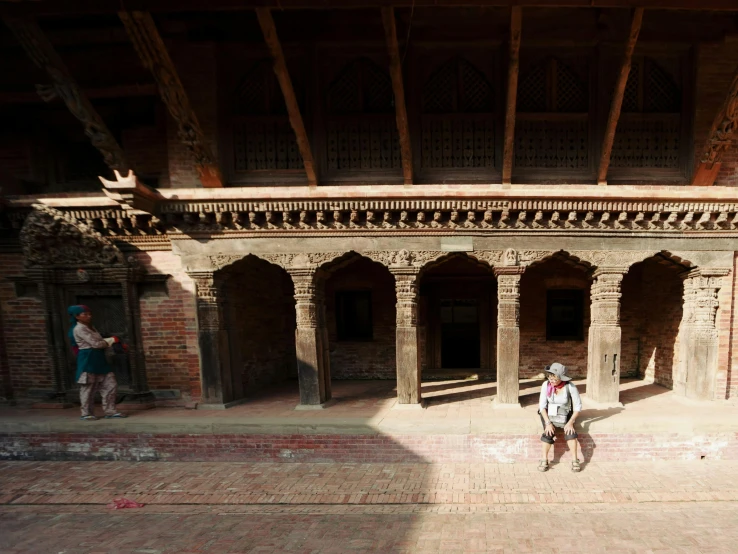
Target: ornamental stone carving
x=508 y=297
x=406 y=288
x=52 y=238
x=605 y=295
x=306 y=298
x=701 y=288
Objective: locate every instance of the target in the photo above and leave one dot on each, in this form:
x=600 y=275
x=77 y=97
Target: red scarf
x=551 y=388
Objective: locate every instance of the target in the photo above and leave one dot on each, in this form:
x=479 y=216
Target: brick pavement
x=262 y=507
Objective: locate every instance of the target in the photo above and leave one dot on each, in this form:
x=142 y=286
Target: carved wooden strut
x=42 y=53
x=150 y=47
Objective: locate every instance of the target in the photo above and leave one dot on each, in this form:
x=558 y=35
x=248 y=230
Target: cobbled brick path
x=305 y=508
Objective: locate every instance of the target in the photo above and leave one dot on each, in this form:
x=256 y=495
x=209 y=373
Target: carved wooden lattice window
x=649 y=130
x=552 y=123
x=361 y=127
x=458 y=123
x=262 y=136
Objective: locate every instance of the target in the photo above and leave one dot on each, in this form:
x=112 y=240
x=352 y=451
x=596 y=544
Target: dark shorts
x=550 y=440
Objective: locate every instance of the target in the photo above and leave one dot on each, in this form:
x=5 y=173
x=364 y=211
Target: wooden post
x=513 y=69
x=293 y=108
x=42 y=53
x=508 y=336
x=617 y=96
x=390 y=33
x=154 y=56
x=720 y=139
x=406 y=341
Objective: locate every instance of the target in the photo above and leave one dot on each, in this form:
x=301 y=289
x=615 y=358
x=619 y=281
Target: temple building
x=254 y=192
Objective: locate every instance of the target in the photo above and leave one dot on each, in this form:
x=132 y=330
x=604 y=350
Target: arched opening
x=650 y=315
x=260 y=320
x=457 y=319
x=554 y=316
x=360 y=317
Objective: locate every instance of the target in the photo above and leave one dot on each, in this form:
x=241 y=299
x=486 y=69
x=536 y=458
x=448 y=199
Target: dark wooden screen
x=649 y=132
x=458 y=122
x=361 y=131
x=552 y=130
x=263 y=139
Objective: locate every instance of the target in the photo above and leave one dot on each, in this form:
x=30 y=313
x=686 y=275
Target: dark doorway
x=460 y=337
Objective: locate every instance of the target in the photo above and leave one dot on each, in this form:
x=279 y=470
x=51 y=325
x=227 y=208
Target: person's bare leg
x=545 y=450
x=574 y=447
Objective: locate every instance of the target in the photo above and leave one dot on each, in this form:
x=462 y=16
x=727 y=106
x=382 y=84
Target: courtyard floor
x=454 y=407
x=352 y=507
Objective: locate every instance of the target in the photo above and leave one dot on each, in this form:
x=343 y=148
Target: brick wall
x=196 y=64
x=146 y=148
x=261 y=321
x=169 y=328
x=24 y=332
x=373 y=359
x=535 y=351
x=716 y=66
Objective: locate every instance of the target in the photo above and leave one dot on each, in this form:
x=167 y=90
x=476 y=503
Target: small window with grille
x=354 y=315
x=361 y=131
x=565 y=315
x=650 y=126
x=552 y=123
x=458 y=120
x=263 y=138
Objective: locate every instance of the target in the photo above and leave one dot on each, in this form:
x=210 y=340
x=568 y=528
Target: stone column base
x=220 y=405
x=409 y=407
x=497 y=405
x=323 y=406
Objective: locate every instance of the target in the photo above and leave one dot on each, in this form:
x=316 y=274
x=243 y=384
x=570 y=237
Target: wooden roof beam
x=115 y=91
x=617 y=96
x=154 y=56
x=290 y=99
x=721 y=138
x=513 y=68
x=87 y=7
x=398 y=88
x=42 y=53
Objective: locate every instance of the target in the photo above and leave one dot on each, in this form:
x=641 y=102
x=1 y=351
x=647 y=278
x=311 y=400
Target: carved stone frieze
x=210 y=300
x=508 y=298
x=51 y=238
x=701 y=288
x=406 y=289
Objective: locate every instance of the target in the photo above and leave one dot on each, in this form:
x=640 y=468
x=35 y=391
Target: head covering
x=557 y=369
x=73 y=312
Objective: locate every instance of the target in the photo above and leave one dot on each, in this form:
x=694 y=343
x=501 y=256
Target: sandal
x=88 y=418
x=575 y=467
x=116 y=416
x=543 y=465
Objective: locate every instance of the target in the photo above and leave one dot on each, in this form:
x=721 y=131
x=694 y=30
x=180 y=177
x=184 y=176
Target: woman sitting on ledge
x=558 y=406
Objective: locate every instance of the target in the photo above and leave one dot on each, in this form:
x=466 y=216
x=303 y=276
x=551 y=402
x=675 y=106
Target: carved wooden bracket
x=720 y=139
x=63 y=86
x=290 y=99
x=403 y=129
x=617 y=96
x=131 y=194
x=516 y=19
x=150 y=47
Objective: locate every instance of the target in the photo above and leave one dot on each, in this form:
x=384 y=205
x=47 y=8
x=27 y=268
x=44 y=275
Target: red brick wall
x=197 y=68
x=370 y=359
x=169 y=328
x=535 y=351
x=261 y=321
x=24 y=332
x=716 y=66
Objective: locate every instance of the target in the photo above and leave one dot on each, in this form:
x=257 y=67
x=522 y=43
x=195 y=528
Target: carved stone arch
x=485 y=258
x=680 y=264
x=50 y=238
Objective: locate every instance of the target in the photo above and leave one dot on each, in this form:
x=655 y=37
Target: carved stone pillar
x=213 y=342
x=695 y=374
x=603 y=357
x=408 y=353
x=508 y=335
x=311 y=338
